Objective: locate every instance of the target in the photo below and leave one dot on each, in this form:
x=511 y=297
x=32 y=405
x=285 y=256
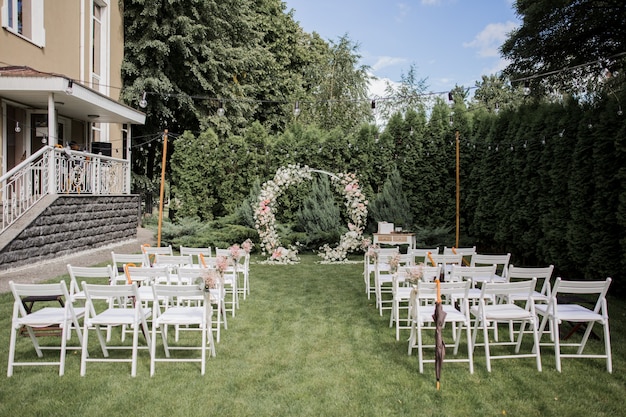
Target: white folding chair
x=476 y=275
x=191 y=276
x=541 y=274
x=95 y=274
x=369 y=270
x=121 y=259
x=466 y=253
x=540 y=295
x=422 y=308
x=173 y=262
x=243 y=272
x=401 y=293
x=420 y=255
x=152 y=251
x=99 y=274
x=383 y=277
x=195 y=253
x=182 y=305
x=65 y=317
x=103 y=314
x=500 y=261
x=487 y=311
x=445 y=260
x=145 y=277
x=230 y=278
x=563 y=307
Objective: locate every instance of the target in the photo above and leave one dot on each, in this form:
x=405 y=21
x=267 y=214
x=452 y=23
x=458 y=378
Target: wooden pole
x=161 y=196
x=458 y=190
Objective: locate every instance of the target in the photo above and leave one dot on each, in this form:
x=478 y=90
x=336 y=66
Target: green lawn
x=308 y=342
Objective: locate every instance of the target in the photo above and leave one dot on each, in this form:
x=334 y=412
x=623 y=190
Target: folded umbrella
x=439 y=317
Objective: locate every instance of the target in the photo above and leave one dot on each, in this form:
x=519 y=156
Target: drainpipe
x=129 y=158
x=52 y=137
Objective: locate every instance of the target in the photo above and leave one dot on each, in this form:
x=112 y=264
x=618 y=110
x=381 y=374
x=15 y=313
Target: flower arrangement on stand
x=394 y=263
x=415 y=274
x=247 y=245
x=221 y=264
x=210 y=279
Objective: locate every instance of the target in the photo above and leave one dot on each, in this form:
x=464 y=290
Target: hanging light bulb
x=526 y=88
x=220 y=109
x=70 y=87
x=143 y=103
x=296 y=109
x=497 y=108
x=18 y=129
x=373 y=104
x=619 y=111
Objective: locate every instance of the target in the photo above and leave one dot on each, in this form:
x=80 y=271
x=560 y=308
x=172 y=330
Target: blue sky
x=449 y=42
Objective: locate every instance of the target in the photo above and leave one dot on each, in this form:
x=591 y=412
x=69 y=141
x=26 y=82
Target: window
x=25 y=19
x=99 y=63
x=96 y=46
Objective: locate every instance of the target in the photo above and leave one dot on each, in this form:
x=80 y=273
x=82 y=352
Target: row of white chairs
x=480 y=296
x=431 y=256
x=203 y=257
x=106 y=306
x=150 y=269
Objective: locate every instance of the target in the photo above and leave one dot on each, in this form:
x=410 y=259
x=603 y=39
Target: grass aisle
x=308 y=342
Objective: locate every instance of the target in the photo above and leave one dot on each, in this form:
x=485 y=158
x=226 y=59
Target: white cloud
x=403 y=11
x=376 y=88
x=431 y=2
x=387 y=61
x=491 y=38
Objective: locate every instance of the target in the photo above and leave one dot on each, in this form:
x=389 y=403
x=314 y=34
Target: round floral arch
x=265 y=220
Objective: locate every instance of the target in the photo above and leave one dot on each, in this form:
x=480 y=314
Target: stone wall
x=73 y=224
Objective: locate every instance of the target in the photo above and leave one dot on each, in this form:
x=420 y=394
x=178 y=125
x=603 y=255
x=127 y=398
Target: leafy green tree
x=410 y=94
x=560 y=34
x=339 y=98
x=494 y=93
x=194 y=175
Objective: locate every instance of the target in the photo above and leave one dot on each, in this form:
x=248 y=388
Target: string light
x=296 y=109
x=18 y=129
x=143 y=103
x=220 y=109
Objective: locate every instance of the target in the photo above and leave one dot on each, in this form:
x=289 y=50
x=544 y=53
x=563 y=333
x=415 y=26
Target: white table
x=395 y=239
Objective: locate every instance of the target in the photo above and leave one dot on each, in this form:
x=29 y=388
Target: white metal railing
x=73 y=172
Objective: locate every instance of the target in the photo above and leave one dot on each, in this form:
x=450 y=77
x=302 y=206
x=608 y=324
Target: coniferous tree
x=319 y=215
x=391 y=204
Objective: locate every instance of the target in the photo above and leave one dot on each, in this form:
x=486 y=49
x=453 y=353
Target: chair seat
x=536 y=296
x=452 y=314
x=181 y=315
x=504 y=312
x=573 y=312
x=116 y=317
x=47 y=316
